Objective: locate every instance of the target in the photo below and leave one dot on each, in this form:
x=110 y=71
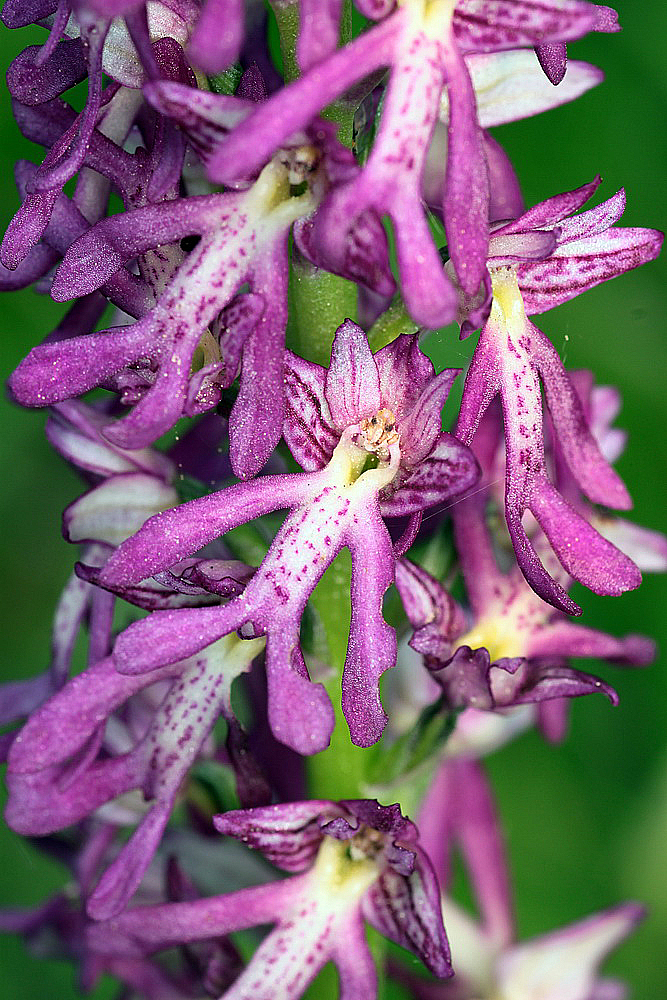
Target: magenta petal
x=300 y=712
x=566 y=639
x=372 y=644
x=353 y=960
x=445 y=473
x=56 y=371
x=167 y=637
x=577 y=266
x=552 y=211
x=206 y=118
x=37 y=805
x=101 y=251
x=256 y=420
x=511 y=24
x=553 y=60
x=288 y=835
x=33 y=81
x=475 y=825
x=55 y=732
x=149 y=928
x=122 y=878
x=352 y=387
x=308 y=428
x=318 y=31
x=407 y=910
x=594 y=475
x=218 y=35
x=505 y=198
x=422 y=427
x=466 y=196
x=585 y=554
x=177 y=533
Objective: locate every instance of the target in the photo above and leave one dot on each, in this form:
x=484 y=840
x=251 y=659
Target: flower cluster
x=263 y=439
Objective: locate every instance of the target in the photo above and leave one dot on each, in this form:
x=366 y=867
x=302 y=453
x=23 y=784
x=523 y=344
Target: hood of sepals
x=390 y=417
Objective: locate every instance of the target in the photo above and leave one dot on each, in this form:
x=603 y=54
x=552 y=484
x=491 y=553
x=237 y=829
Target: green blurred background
x=586 y=822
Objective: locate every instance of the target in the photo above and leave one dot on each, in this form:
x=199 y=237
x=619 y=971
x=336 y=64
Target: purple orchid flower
x=367 y=432
x=62 y=766
x=146 y=176
x=538 y=261
x=101 y=45
x=243 y=238
x=353 y=861
x=487 y=960
x=424 y=45
x=515 y=649
x=58 y=927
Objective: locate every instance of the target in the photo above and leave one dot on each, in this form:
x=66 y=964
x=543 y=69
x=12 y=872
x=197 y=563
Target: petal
x=563 y=965
x=566 y=639
x=593 y=474
x=352 y=386
x=167 y=637
x=37 y=804
x=256 y=419
x=420 y=429
x=585 y=554
x=352 y=957
x=117 y=508
x=372 y=644
x=63 y=724
x=34 y=81
x=575 y=267
x=300 y=713
x=553 y=210
x=206 y=118
x=511 y=24
x=318 y=31
x=288 y=835
x=308 y=427
x=448 y=471
x=511 y=86
x=466 y=196
x=407 y=911
x=104 y=248
x=150 y=928
x=218 y=35
x=56 y=371
x=177 y=533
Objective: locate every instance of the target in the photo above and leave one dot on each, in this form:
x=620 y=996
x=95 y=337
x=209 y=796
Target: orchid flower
x=367 y=432
x=353 y=860
x=546 y=257
x=515 y=649
x=488 y=963
x=424 y=44
x=62 y=767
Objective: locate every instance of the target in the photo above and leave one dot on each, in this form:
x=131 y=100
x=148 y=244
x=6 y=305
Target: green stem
x=287 y=19
x=337 y=772
x=319 y=302
x=390 y=325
